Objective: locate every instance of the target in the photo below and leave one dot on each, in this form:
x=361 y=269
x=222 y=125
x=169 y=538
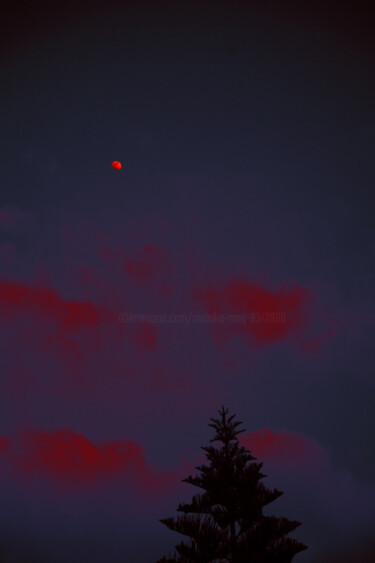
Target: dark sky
x=246 y=135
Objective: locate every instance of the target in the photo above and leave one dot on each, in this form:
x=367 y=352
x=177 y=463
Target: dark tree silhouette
x=226 y=522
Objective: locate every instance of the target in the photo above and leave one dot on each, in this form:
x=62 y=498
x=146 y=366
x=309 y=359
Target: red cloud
x=65 y=455
x=68 y=334
x=4 y=444
x=150 y=268
x=146 y=337
x=150 y=261
x=16 y=297
x=284 y=448
x=147 y=267
x=255 y=312
x=70 y=319
x=71 y=460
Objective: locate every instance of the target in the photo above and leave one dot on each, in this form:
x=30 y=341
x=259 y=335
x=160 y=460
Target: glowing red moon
x=116 y=164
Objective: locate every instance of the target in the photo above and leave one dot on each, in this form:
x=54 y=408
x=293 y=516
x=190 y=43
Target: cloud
x=71 y=465
x=17 y=297
x=287 y=449
x=4 y=444
x=147 y=268
x=71 y=461
x=254 y=312
x=146 y=337
x=144 y=268
x=289 y=313
x=64 y=336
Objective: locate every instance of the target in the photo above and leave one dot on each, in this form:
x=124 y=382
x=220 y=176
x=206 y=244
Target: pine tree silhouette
x=226 y=522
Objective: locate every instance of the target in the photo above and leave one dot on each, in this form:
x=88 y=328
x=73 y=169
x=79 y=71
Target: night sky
x=246 y=136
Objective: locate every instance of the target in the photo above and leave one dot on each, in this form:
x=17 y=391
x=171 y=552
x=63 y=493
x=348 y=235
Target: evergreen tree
x=226 y=522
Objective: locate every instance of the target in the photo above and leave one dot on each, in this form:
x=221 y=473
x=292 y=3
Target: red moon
x=116 y=164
